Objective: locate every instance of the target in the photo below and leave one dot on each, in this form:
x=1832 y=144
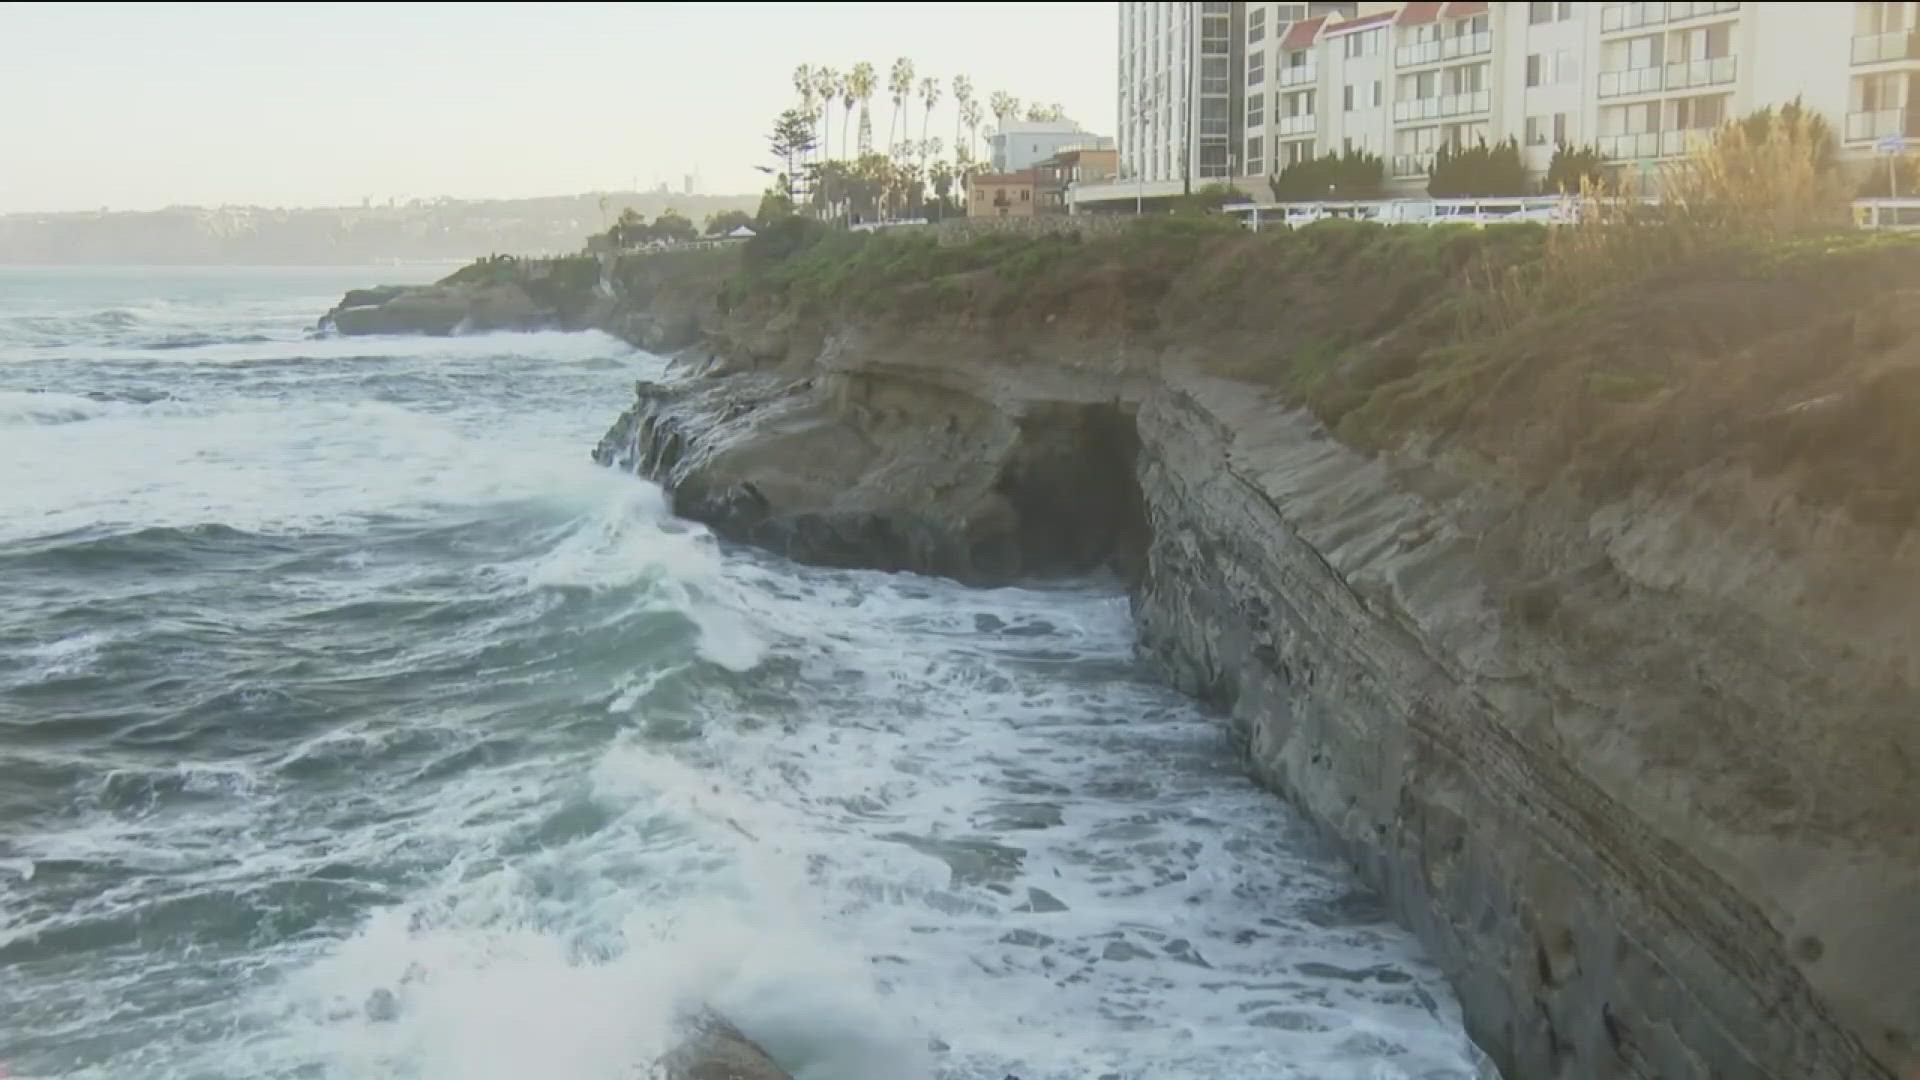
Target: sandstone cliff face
x=1637 y=760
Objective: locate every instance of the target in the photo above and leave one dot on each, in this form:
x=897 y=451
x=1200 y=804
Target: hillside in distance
x=419 y=230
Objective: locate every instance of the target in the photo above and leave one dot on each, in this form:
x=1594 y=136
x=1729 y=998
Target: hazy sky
x=142 y=106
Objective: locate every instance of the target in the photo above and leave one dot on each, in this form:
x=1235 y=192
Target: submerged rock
x=711 y=1048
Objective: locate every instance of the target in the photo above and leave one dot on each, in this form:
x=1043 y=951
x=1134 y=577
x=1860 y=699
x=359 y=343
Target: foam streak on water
x=355 y=726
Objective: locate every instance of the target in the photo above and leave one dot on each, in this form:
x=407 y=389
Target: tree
x=673 y=228
x=970 y=112
x=941 y=175
x=1041 y=114
x=930 y=96
x=791 y=139
x=1574 y=169
x=1003 y=105
x=726 y=221
x=630 y=228
x=775 y=205
x=803 y=85
x=860 y=84
x=962 y=101
x=900 y=85
x=826 y=89
x=1478 y=170
x=1352 y=175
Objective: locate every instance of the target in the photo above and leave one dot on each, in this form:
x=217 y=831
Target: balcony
x=1303 y=124
x=1617 y=17
x=1718 y=71
x=1433 y=108
x=1405 y=165
x=1870 y=125
x=1644 y=144
x=1443 y=49
x=1644 y=80
x=1684 y=141
x=1299 y=76
x=1678 y=12
x=1892 y=45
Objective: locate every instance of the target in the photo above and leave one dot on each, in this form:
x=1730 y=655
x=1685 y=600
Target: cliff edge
x=1590 y=633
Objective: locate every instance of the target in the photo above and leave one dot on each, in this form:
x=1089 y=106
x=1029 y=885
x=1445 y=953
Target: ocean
x=354 y=724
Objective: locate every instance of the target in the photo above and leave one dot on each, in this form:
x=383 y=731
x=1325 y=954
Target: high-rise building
x=1193 y=87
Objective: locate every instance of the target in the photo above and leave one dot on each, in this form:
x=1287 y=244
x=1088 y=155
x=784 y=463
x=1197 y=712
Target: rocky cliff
x=1590 y=638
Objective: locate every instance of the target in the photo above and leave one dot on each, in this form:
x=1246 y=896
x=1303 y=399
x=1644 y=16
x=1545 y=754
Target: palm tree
x=860 y=85
x=962 y=97
x=826 y=88
x=970 y=112
x=930 y=95
x=803 y=85
x=900 y=85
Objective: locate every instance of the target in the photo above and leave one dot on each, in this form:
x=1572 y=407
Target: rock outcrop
x=438 y=310
x=1636 y=754
x=710 y=1048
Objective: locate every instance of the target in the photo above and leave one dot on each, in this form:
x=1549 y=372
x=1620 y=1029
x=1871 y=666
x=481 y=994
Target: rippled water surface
x=352 y=724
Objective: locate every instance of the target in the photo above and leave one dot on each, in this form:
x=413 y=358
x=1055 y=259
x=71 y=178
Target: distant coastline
x=420 y=231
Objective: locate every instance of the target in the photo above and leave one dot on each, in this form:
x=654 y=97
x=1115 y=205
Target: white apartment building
x=1022 y=144
x=1643 y=82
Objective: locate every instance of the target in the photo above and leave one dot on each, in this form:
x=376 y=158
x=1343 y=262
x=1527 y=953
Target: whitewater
x=353 y=724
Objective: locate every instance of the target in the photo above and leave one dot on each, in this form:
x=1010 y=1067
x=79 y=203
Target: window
x=1536 y=131
x=1214 y=76
x=1699 y=112
x=1291 y=12
x=1559 y=129
x=1256 y=67
x=1376 y=94
x=1535 y=62
x=1026 y=194
x=1255 y=163
x=1213 y=116
x=1256 y=110
x=1566 y=9
x=1566 y=71
x=1426 y=85
x=1256 y=25
x=1346 y=97
x=1539 y=13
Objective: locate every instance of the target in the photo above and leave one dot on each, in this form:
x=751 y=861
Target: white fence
x=1901 y=214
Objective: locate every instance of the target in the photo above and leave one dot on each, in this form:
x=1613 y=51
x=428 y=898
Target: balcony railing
x=1299 y=76
x=1677 y=12
x=1433 y=108
x=1442 y=49
x=1872 y=124
x=1644 y=144
x=1644 y=80
x=1616 y=17
x=1892 y=45
x=1302 y=124
x=1684 y=140
x=1412 y=164
x=1718 y=71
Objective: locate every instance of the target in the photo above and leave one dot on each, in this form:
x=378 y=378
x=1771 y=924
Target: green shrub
x=1479 y=170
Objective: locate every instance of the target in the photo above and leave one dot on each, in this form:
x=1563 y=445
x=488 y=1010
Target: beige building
x=1643 y=82
x=1002 y=195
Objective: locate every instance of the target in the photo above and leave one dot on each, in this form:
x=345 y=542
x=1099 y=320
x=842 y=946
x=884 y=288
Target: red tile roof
x=1462 y=9
x=1415 y=14
x=1301 y=34
x=1360 y=24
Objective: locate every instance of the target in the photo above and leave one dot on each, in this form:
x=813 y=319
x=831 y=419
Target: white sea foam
x=895 y=829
